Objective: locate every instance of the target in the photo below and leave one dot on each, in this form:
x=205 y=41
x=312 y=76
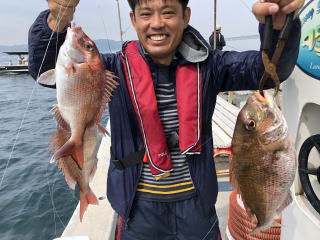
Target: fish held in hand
x=84 y=88
x=263 y=160
x=73 y=174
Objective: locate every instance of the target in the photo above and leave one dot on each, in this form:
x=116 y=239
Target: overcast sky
x=234 y=16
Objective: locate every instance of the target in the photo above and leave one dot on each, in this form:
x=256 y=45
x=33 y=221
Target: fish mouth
x=74 y=33
x=262 y=99
x=278 y=131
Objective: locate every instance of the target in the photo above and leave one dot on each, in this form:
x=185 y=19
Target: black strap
x=173 y=140
x=137 y=157
x=128 y=161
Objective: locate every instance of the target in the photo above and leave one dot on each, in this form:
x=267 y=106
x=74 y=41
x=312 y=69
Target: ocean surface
x=35 y=201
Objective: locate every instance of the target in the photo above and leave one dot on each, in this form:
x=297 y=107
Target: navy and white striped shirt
x=178 y=185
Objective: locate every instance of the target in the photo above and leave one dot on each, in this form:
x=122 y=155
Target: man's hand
x=61 y=13
x=279 y=9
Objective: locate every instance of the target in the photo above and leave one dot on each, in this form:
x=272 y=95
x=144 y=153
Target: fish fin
x=111 y=83
x=58 y=117
x=47 y=78
x=59 y=139
x=232 y=176
x=85 y=200
x=247 y=208
x=69 y=148
x=103 y=130
x=52 y=160
x=70 y=181
x=70 y=69
x=274 y=146
x=249 y=212
x=231 y=173
x=108 y=87
x=285 y=203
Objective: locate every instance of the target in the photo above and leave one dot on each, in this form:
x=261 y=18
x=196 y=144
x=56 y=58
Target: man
x=220 y=42
x=162 y=109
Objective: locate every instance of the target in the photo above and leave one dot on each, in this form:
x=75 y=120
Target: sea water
x=35 y=201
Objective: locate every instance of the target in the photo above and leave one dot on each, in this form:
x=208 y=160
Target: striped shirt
x=178 y=185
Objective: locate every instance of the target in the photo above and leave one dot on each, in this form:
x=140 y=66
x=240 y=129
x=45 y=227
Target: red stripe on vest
x=141 y=90
x=189 y=98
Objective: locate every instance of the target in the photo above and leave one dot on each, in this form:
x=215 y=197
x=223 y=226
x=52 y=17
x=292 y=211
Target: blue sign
x=309 y=53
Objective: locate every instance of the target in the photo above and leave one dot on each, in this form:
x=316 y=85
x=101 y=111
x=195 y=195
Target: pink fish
x=84 y=88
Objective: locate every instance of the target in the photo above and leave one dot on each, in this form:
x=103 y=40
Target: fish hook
x=270 y=65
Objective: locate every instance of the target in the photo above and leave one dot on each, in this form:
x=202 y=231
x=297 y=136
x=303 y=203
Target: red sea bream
x=263 y=160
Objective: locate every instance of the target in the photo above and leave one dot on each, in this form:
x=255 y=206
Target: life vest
x=142 y=94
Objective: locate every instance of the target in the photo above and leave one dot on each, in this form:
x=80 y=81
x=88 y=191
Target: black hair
x=133 y=3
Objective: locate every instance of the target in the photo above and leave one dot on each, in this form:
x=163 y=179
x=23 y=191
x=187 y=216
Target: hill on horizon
x=104 y=46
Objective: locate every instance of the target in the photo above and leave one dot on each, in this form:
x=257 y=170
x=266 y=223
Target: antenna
x=215 y=24
x=120 y=26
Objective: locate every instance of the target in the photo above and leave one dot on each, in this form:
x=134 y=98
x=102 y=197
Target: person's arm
x=47 y=34
x=211 y=40
x=223 y=42
x=43 y=46
x=242 y=71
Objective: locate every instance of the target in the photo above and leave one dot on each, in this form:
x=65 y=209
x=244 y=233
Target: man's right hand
x=61 y=13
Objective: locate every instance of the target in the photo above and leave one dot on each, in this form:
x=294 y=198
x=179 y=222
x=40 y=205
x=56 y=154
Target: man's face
x=159 y=25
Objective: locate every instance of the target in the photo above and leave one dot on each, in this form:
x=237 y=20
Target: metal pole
x=120 y=26
x=215 y=24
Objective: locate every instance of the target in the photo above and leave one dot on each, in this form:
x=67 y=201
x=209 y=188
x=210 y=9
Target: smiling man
x=162 y=179
x=159 y=26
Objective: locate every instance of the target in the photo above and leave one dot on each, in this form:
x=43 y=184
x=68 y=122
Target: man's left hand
x=279 y=9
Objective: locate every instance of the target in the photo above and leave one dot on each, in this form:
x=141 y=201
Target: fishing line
x=237 y=49
x=59 y=18
x=26 y=110
x=55 y=212
x=30 y=98
x=52 y=188
x=104 y=27
x=246 y=5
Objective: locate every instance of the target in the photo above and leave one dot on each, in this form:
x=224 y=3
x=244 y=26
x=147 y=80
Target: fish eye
x=251 y=125
x=88 y=47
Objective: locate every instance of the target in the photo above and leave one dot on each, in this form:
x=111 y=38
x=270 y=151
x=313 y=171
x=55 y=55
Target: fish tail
x=85 y=200
x=70 y=148
x=103 y=130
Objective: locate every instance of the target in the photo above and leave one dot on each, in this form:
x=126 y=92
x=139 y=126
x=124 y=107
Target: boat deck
x=99 y=222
